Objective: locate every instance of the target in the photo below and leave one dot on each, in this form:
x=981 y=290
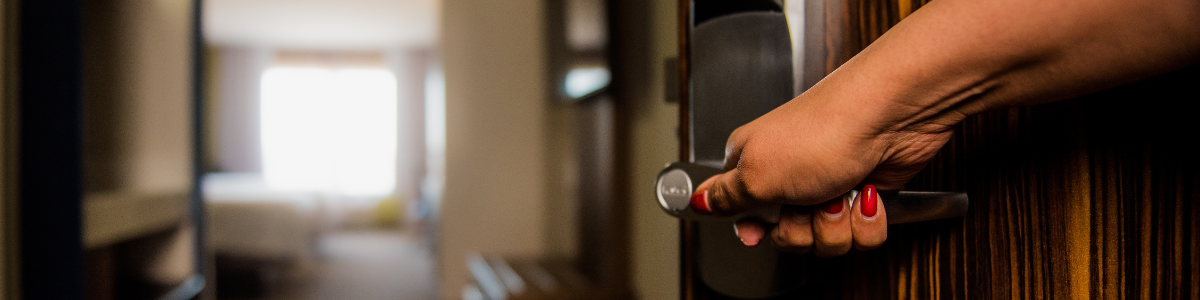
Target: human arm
x=881 y=116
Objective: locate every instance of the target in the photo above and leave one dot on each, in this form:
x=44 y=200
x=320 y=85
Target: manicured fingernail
x=869 y=199
x=699 y=202
x=751 y=237
x=833 y=207
x=750 y=242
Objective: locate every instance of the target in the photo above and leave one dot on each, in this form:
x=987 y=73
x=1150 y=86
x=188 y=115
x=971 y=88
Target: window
x=329 y=130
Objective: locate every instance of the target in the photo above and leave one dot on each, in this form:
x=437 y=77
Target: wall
x=232 y=137
x=137 y=140
x=495 y=195
x=562 y=169
x=137 y=91
x=410 y=67
x=655 y=235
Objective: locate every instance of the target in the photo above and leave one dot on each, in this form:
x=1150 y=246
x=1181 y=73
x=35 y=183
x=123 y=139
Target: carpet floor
x=361 y=265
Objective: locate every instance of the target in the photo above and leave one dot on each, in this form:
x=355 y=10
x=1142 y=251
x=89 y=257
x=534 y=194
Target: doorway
x=321 y=147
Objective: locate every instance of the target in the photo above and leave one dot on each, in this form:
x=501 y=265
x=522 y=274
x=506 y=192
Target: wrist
x=892 y=116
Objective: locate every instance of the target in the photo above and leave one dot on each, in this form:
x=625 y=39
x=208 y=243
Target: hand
x=880 y=117
x=804 y=154
x=829 y=230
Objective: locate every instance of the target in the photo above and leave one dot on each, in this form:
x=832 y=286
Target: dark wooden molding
x=199 y=65
x=50 y=172
x=687 y=256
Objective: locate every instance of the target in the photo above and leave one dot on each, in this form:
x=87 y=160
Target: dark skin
x=879 y=118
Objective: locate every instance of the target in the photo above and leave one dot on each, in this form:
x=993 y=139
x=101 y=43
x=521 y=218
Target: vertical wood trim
x=6 y=182
x=50 y=137
x=1194 y=266
x=684 y=19
x=9 y=240
x=1079 y=229
x=687 y=229
x=905 y=8
x=1148 y=244
x=836 y=23
x=202 y=261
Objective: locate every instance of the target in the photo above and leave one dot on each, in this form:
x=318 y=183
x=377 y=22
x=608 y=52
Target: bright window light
x=329 y=130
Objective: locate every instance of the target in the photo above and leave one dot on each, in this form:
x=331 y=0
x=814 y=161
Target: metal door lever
x=678 y=181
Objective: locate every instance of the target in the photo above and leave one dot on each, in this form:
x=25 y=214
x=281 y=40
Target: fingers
x=751 y=232
x=869 y=221
x=735 y=191
x=733 y=147
x=794 y=232
x=831 y=228
x=723 y=195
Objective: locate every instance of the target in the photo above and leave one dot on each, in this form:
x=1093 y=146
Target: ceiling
x=322 y=24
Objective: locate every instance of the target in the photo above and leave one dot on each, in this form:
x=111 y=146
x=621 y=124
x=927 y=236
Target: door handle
x=677 y=182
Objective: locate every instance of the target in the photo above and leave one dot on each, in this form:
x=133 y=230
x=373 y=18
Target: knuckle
x=794 y=239
x=751 y=176
x=833 y=244
x=835 y=247
x=792 y=234
x=739 y=134
x=734 y=138
x=724 y=197
x=791 y=241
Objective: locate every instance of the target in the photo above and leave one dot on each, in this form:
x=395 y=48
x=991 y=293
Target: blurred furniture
x=497 y=278
x=110 y=218
x=140 y=247
x=257 y=234
x=246 y=218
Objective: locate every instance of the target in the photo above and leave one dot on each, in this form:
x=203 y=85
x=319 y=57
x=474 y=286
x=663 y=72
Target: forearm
x=880 y=117
x=954 y=58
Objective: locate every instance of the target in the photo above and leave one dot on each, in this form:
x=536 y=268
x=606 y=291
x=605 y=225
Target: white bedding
x=247 y=219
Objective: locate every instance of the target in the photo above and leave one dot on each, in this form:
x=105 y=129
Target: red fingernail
x=870 y=201
x=833 y=207
x=699 y=202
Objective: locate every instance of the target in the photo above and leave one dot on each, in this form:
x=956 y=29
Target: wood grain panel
x=1089 y=198
x=851 y=25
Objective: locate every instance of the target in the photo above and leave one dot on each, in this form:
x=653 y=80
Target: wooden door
x=1087 y=198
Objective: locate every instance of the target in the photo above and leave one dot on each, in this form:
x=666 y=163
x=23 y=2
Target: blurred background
x=337 y=149
x=320 y=118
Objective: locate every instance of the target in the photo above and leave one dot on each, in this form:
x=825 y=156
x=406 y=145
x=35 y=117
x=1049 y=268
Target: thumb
x=723 y=195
